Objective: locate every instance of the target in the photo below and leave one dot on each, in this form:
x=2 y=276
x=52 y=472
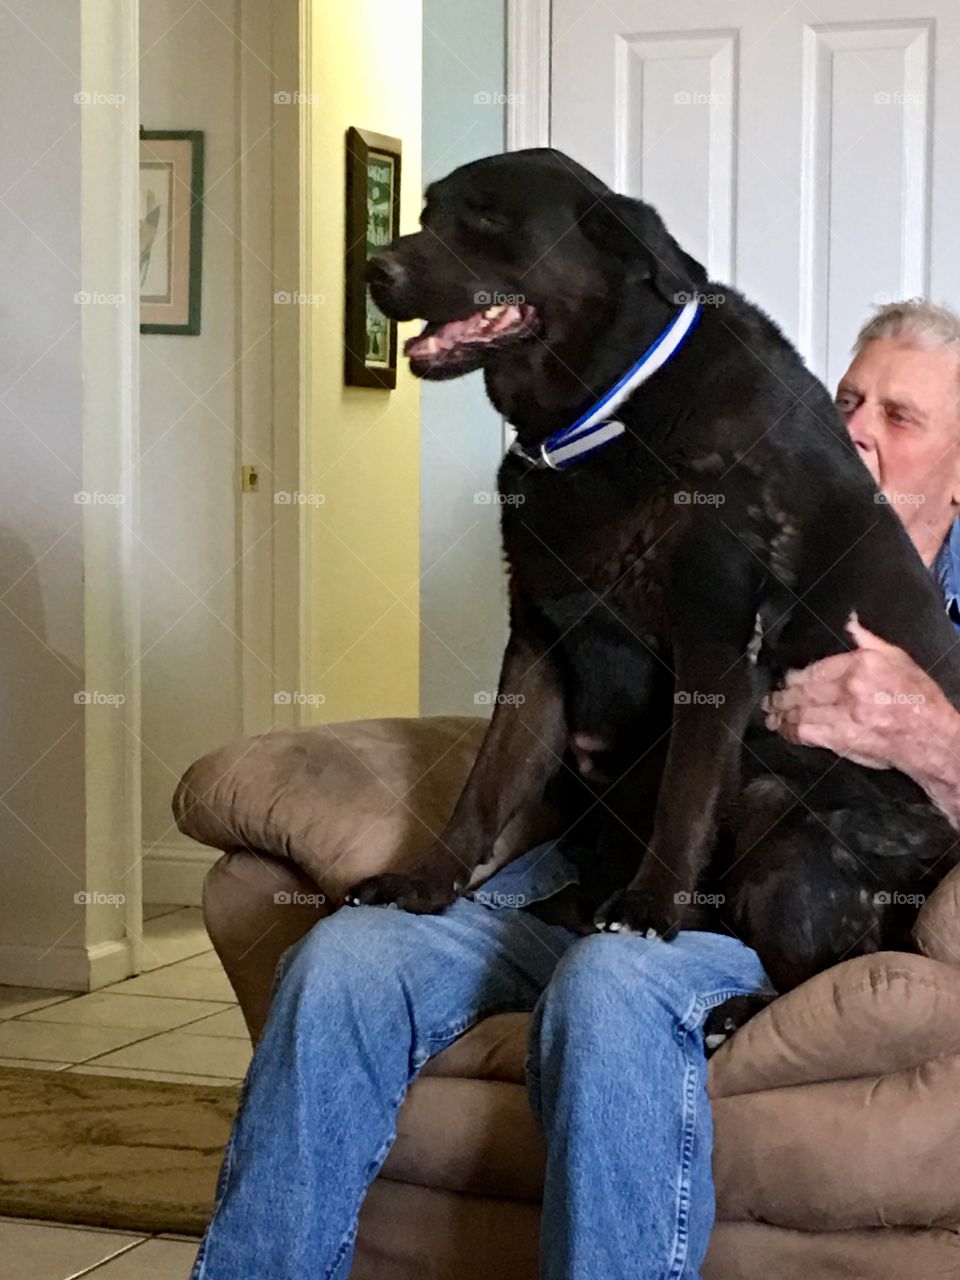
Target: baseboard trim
x=109 y=962
x=63 y=968
x=175 y=872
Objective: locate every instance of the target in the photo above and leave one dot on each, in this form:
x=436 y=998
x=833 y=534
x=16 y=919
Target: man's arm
x=875 y=706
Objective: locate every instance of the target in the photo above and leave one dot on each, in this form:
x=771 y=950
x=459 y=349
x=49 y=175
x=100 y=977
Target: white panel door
x=811 y=158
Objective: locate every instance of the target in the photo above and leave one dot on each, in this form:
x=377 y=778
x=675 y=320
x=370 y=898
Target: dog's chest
x=580 y=542
x=603 y=541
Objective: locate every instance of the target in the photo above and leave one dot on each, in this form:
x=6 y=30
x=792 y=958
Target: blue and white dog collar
x=597 y=427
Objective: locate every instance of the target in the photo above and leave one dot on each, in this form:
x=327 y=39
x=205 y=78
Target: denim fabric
x=537 y=874
x=616 y=1075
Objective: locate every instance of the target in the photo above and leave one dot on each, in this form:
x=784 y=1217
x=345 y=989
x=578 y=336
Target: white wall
x=463 y=610
x=220 y=567
x=41 y=547
x=67 y=807
x=191 y=673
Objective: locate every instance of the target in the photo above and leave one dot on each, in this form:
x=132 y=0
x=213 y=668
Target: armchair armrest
x=872 y=1016
x=937 y=930
x=342 y=801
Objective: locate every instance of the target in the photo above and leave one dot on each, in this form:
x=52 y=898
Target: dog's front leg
x=710 y=715
x=711 y=601
x=522 y=748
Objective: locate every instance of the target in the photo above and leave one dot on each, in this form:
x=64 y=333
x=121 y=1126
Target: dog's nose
x=385 y=271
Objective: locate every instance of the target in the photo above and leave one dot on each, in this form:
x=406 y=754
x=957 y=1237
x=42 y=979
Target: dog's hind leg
x=729 y=1017
x=523 y=747
x=804 y=902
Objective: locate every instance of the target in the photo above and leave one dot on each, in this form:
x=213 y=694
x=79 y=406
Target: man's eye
x=846 y=403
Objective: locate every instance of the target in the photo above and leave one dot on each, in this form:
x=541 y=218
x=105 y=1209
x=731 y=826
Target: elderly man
x=616 y=1069
x=900 y=399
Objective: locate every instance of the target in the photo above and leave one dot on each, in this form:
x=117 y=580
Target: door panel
x=809 y=162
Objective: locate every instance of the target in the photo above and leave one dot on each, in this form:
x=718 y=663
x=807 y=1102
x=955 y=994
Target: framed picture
x=373 y=219
x=171 y=230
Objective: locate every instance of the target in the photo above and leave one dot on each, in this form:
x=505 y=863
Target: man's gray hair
x=915 y=322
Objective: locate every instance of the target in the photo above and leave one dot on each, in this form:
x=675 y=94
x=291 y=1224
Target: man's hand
x=875 y=706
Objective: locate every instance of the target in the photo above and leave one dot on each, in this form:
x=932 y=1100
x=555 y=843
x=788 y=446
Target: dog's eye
x=488 y=222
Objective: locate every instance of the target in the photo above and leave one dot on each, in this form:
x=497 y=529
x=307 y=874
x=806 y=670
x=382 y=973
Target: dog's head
x=517 y=248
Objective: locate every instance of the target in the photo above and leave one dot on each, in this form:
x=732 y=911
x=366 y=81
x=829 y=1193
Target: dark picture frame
x=373 y=220
x=171 y=230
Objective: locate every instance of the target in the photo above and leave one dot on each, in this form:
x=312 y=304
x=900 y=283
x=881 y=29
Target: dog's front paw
x=637 y=911
x=413 y=891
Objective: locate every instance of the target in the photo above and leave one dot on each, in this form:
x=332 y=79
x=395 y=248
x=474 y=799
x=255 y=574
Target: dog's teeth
x=614 y=926
x=714 y=1041
x=651 y=935
x=491 y=313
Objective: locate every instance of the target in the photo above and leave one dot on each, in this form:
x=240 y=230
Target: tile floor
x=49 y=1251
x=178 y=1020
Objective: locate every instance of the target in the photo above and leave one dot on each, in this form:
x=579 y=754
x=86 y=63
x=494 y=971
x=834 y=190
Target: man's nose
x=860 y=425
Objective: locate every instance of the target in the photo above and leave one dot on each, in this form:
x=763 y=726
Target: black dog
x=666 y=575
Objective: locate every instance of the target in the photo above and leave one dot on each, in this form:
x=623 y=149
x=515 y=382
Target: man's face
x=901 y=405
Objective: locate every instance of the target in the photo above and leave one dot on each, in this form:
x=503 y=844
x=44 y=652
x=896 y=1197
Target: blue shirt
x=547 y=868
x=946 y=570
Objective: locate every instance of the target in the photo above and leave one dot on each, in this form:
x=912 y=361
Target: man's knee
x=605 y=979
x=348 y=951
x=601 y=981
x=594 y=960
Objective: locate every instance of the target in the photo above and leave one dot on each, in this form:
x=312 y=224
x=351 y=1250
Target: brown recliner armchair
x=836 y=1110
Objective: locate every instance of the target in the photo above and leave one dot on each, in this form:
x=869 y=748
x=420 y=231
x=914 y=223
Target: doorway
x=219 y=417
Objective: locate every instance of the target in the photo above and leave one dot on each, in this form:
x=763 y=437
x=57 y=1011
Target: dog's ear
x=634 y=231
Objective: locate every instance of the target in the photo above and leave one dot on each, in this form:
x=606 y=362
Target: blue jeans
x=615 y=1072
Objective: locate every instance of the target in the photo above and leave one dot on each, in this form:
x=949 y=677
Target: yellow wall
x=362 y=445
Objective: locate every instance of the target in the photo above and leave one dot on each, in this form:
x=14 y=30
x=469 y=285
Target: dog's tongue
x=479 y=327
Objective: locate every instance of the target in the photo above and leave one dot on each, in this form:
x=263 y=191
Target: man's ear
x=634 y=231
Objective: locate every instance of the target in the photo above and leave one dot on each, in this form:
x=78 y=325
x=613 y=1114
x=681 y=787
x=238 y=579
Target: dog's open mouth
x=449 y=348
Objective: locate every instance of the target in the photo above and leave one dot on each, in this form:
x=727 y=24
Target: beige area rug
x=107 y=1151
